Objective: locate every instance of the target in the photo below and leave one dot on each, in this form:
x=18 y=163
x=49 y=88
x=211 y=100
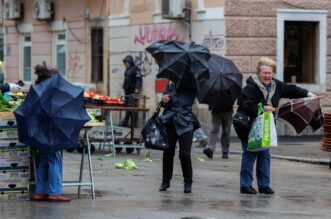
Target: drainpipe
x=188 y=15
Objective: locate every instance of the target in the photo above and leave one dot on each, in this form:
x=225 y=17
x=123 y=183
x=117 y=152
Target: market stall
x=109 y=106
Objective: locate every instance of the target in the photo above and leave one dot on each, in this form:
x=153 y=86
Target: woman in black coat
x=262 y=88
x=180 y=123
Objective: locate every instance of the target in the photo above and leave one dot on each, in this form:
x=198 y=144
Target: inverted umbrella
x=224 y=85
x=177 y=60
x=52 y=115
x=300 y=113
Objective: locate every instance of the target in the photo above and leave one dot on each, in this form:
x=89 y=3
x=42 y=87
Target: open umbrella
x=224 y=85
x=300 y=113
x=52 y=115
x=177 y=60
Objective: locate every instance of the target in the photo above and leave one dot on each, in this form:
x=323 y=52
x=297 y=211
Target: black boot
x=266 y=190
x=247 y=190
x=164 y=186
x=187 y=187
x=208 y=152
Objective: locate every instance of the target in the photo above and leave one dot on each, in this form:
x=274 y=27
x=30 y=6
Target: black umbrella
x=224 y=85
x=178 y=60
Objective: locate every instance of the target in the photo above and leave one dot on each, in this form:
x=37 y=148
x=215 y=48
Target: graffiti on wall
x=74 y=63
x=213 y=42
x=144 y=62
x=151 y=33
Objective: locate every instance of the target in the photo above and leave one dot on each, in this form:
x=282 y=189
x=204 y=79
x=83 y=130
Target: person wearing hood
x=132 y=84
x=262 y=88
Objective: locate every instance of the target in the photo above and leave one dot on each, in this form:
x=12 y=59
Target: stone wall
x=251 y=32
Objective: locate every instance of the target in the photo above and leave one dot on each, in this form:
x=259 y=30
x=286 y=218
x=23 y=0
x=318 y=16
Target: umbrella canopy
x=224 y=85
x=52 y=115
x=178 y=60
x=300 y=113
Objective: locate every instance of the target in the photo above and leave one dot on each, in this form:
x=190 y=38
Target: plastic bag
x=154 y=133
x=263 y=133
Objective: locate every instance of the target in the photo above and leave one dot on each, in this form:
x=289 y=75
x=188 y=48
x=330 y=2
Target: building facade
x=66 y=34
x=87 y=40
x=294 y=33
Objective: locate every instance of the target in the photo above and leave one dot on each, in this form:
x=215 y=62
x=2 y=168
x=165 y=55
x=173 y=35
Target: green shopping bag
x=263 y=133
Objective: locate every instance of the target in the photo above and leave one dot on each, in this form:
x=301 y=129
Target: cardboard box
x=10 y=142
x=15 y=154
x=13 y=184
x=7 y=119
x=21 y=194
x=14 y=162
x=9 y=133
x=13 y=174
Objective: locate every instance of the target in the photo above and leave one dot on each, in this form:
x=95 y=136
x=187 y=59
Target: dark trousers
x=133 y=115
x=185 y=144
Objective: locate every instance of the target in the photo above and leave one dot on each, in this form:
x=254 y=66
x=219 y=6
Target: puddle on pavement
x=300 y=198
x=98 y=193
x=249 y=201
x=192 y=218
x=220 y=186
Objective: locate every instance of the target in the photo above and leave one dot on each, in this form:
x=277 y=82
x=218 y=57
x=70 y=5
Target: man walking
x=219 y=117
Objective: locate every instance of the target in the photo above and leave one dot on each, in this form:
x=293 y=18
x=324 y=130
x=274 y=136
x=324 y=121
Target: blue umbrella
x=52 y=115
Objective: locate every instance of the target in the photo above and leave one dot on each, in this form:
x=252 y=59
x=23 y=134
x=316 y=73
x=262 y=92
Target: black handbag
x=154 y=133
x=242 y=124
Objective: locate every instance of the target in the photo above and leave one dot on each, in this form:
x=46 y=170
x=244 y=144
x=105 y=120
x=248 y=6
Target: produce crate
x=15 y=154
x=7 y=119
x=20 y=194
x=9 y=162
x=15 y=173
x=14 y=183
x=8 y=133
x=14 y=161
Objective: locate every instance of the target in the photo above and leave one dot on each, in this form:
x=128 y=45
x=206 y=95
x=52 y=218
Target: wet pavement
x=302 y=190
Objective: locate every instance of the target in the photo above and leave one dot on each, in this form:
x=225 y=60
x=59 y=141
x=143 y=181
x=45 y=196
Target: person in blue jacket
x=262 y=88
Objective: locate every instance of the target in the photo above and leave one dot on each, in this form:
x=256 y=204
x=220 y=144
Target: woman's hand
x=310 y=94
x=166 y=98
x=269 y=109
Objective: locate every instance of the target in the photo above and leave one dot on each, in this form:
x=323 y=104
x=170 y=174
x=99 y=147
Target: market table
x=109 y=125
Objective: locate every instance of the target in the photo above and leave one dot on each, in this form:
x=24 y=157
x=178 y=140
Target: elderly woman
x=262 y=88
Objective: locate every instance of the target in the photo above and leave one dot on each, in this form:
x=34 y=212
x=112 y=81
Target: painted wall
x=132 y=36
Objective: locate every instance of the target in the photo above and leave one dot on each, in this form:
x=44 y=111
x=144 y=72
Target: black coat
x=252 y=95
x=132 y=77
x=179 y=109
x=4 y=88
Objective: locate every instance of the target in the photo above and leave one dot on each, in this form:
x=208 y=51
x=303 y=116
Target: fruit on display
x=93 y=98
x=18 y=95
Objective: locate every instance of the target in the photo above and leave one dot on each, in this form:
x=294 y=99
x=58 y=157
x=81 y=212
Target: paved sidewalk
x=302 y=190
x=302 y=149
